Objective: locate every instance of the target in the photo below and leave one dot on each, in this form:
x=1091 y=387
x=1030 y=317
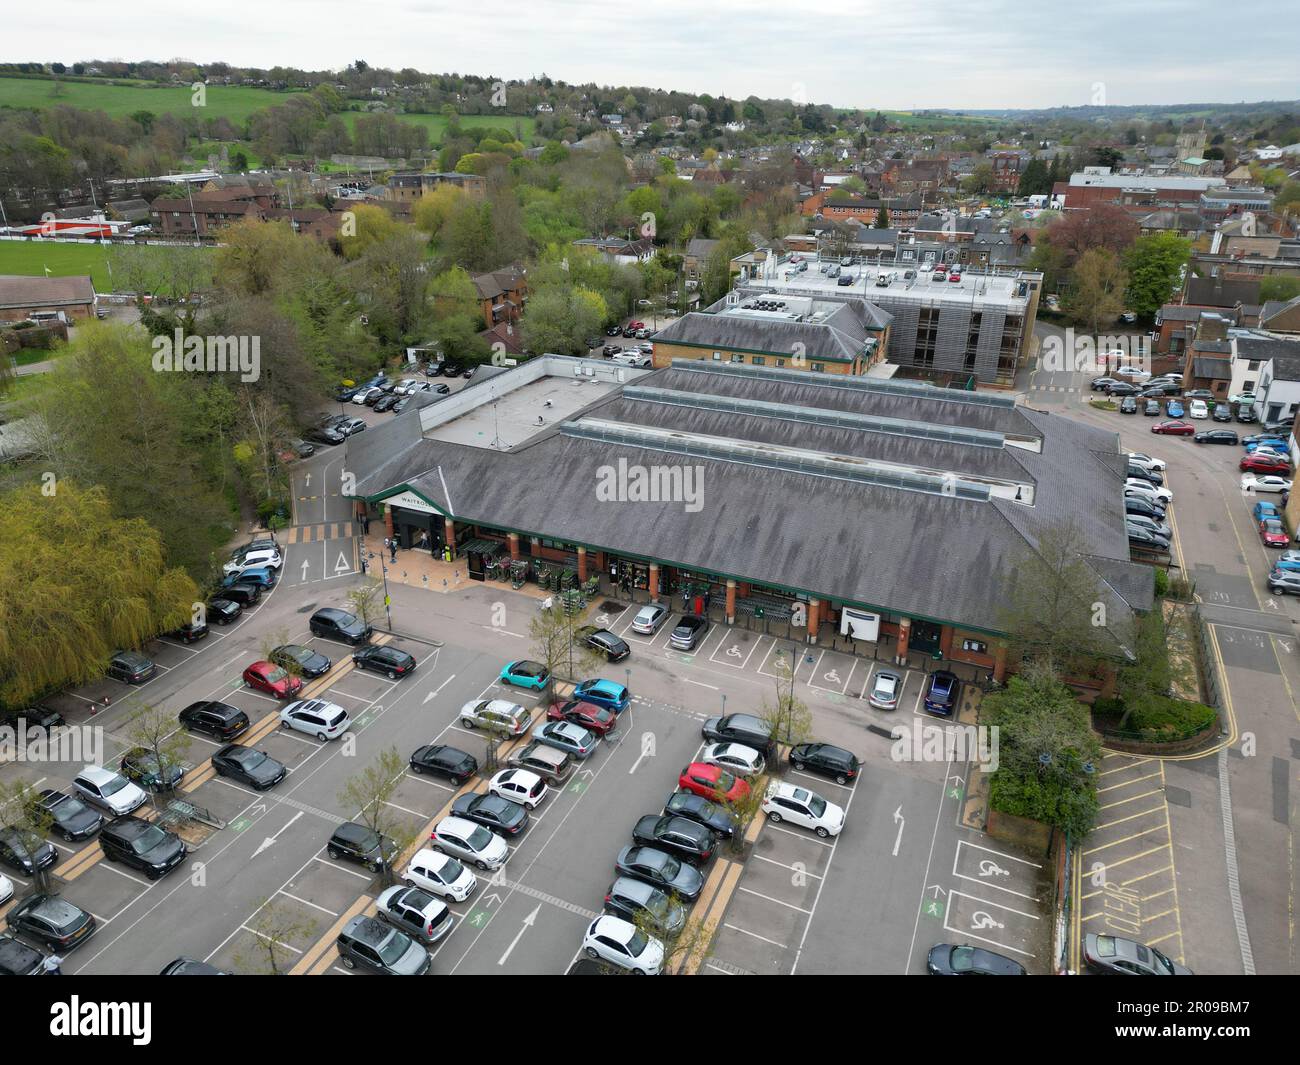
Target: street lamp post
x=383 y=568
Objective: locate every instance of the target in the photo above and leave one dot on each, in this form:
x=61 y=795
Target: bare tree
x=154 y=730
x=273 y=929
x=367 y=601
x=370 y=793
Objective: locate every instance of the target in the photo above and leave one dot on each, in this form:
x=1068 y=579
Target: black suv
x=454 y=764
x=300 y=660
x=222 y=610
x=740 y=728
x=835 y=762
x=613 y=647
x=244 y=593
x=221 y=720
x=34 y=718
x=24 y=852
x=390 y=661
x=362 y=845
x=52 y=920
x=334 y=624
x=150 y=848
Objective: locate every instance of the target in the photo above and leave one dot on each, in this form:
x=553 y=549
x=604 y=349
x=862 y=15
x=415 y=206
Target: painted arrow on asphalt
x=529 y=921
x=900 y=821
x=271 y=839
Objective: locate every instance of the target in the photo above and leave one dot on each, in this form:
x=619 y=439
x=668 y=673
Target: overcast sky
x=901 y=54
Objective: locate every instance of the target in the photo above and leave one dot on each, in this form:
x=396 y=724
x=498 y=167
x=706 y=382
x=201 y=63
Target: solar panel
x=870 y=423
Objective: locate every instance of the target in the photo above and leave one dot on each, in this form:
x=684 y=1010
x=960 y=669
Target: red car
x=712 y=782
x=1174 y=428
x=636 y=325
x=954 y=277
x=1272 y=533
x=599 y=719
x=272 y=679
x=1264 y=464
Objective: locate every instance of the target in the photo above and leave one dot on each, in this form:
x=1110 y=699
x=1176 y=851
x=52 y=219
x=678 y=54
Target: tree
x=170 y=274
x=1280 y=287
x=256 y=258
x=1155 y=265
x=366 y=601
x=559 y=320
x=1147 y=672
x=1096 y=296
x=22 y=814
x=431 y=211
x=555 y=643
x=76 y=583
x=1106 y=226
x=372 y=225
x=1055 y=612
x=980 y=182
x=1047 y=753
x=742 y=810
x=687 y=940
x=371 y=792
x=272 y=931
x=153 y=729
x=882 y=217
x=787 y=717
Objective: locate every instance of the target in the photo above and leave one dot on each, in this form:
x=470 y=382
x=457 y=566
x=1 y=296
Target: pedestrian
x=365 y=524
x=392 y=549
x=53 y=965
x=424 y=540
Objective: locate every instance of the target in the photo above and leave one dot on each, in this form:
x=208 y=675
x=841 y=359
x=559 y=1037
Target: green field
x=63 y=260
x=235 y=102
x=437 y=124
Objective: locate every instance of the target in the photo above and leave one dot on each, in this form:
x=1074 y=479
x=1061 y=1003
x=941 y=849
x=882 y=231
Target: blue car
x=526 y=674
x=263 y=576
x=1264 y=509
x=603 y=693
x=1175 y=409
x=1268 y=441
x=941 y=693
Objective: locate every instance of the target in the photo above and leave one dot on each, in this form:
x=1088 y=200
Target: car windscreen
x=149 y=839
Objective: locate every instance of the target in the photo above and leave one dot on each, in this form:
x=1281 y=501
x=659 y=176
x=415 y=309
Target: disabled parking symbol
x=981 y=920
x=991 y=868
x=733 y=651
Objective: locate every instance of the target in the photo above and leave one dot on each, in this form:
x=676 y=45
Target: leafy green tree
x=22 y=814
x=1155 y=264
x=559 y=320
x=1097 y=293
x=153 y=729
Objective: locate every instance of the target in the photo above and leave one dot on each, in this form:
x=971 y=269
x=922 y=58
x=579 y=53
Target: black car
x=223 y=610
x=386 y=402
x=450 y=762
x=302 y=448
x=18 y=959
x=362 y=845
x=947 y=959
x=1142 y=537
x=220 y=720
x=740 y=728
x=141 y=765
x=334 y=624
x=635 y=899
x=255 y=768
x=613 y=331
x=1145 y=473
x=1247 y=415
x=131 y=667
x=1122 y=388
x=71 y=818
x=452 y=369
x=52 y=920
x=1221 y=413
x=1144 y=507
x=829 y=761
x=152 y=849
x=190 y=967
x=390 y=661
x=434 y=369
x=25 y=852
x=688 y=632
x=245 y=593
x=441 y=390
x=678 y=835
x=325 y=436
x=1151 y=408
x=300 y=661
x=369 y=942
x=344 y=393
x=615 y=649
x=697 y=808
x=1100 y=384
x=189 y=633
x=663 y=870
x=1216 y=436
x=1129 y=405
x=500 y=815
x=36 y=718
x=402 y=404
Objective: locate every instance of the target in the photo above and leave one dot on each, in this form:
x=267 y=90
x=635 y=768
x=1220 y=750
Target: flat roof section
x=506 y=417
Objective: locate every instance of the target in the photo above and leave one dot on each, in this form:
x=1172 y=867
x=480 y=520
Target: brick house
x=22 y=296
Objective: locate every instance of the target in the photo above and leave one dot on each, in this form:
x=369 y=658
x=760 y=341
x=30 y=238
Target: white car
x=406 y=386
x=1135 y=486
x=649 y=618
x=6 y=889
x=316 y=717
x=736 y=757
x=1268 y=483
x=799 y=806
x=440 y=875
x=1133 y=374
x=1137 y=458
x=1197 y=409
x=243 y=560
x=108 y=790
x=464 y=839
x=1271 y=452
x=621 y=943
x=628 y=358
x=519 y=785
x=360 y=398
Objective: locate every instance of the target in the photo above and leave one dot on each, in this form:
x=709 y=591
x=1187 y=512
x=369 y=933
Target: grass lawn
x=437 y=124
x=63 y=260
x=235 y=102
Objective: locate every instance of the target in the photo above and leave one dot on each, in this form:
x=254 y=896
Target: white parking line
x=779 y=902
x=306 y=902
x=773 y=861
x=341 y=869
x=747 y=932
x=807 y=837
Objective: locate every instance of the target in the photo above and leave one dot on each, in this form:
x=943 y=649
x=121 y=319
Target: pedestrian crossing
x=1054 y=388
x=311 y=534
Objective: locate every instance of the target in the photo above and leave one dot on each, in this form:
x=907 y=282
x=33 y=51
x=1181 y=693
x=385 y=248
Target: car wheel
x=840 y=778
x=418 y=770
x=321 y=736
x=481 y=864
x=348 y=963
x=392 y=675
x=796 y=766
x=467 y=722
x=774 y=817
x=335 y=854
x=506 y=682
x=593 y=953
x=285 y=725
x=821 y=831
x=69 y=837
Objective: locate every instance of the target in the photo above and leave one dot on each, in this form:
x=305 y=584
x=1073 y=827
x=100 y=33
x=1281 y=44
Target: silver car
x=648 y=619
x=885 y=688
x=415 y=912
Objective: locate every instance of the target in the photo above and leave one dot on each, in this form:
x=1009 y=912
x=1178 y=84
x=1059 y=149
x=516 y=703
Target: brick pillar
x=904 y=635
x=654 y=582
x=731 y=602
x=814 y=618
x=1000 y=661
x=744 y=588
x=582 y=564
x=388 y=522
x=600 y=562
x=945 y=640
x=449 y=534
x=513 y=540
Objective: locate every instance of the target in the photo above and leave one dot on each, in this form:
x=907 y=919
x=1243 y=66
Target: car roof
x=525 y=777
x=96 y=774
x=459 y=825
x=615 y=927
